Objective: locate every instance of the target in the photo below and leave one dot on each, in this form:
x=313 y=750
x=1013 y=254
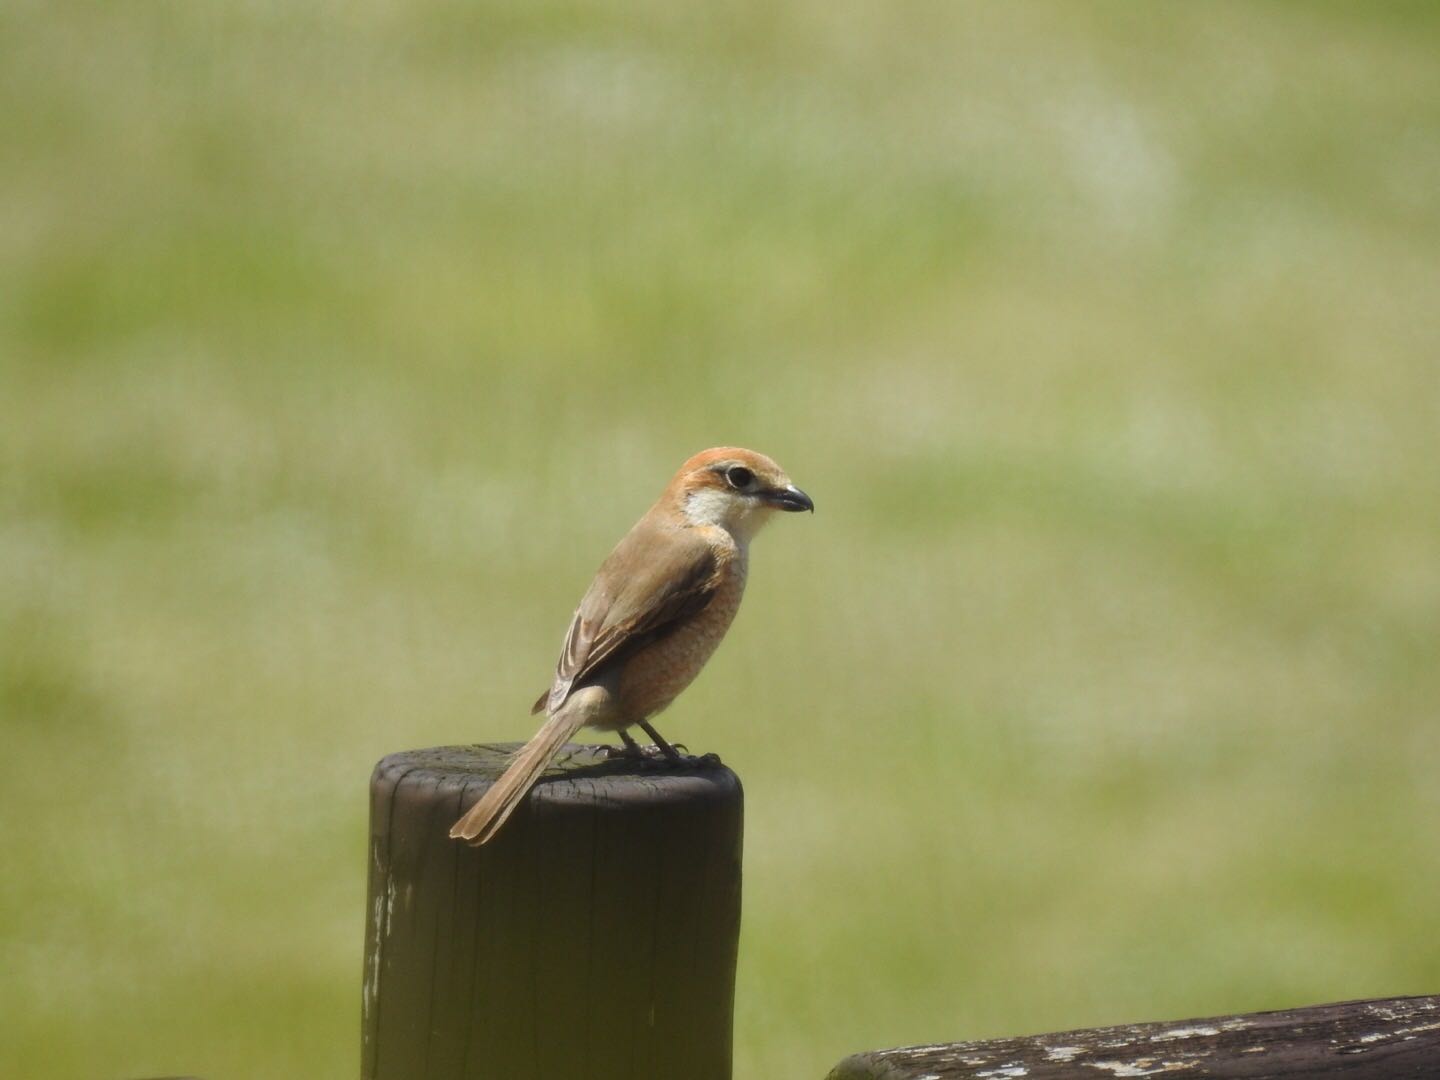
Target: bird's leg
x=665 y=748
x=631 y=751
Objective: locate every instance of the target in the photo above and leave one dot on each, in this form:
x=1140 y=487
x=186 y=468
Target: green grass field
x=339 y=342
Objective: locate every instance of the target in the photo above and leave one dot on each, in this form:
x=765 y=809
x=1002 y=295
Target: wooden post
x=594 y=937
x=1358 y=1040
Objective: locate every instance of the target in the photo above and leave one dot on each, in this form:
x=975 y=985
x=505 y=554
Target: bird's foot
x=662 y=755
x=662 y=758
x=632 y=752
x=684 y=759
x=643 y=758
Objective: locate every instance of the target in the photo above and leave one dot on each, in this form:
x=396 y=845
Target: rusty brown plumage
x=657 y=609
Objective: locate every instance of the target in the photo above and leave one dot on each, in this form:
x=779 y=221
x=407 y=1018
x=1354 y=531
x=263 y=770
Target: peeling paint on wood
x=1358 y=1040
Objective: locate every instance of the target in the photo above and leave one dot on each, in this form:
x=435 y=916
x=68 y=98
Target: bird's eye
x=739 y=477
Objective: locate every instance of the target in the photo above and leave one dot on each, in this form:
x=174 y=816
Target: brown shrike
x=657 y=609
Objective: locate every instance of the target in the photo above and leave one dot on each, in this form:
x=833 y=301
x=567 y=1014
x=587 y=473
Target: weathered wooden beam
x=1359 y=1040
x=594 y=937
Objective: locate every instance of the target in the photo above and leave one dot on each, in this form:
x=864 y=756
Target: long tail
x=483 y=820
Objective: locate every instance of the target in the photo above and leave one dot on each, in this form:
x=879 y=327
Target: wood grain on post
x=594 y=937
x=1359 y=1040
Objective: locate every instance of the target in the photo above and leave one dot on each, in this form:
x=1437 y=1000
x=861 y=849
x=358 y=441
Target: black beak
x=789 y=498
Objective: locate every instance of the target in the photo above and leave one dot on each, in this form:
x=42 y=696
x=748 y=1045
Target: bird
x=657 y=609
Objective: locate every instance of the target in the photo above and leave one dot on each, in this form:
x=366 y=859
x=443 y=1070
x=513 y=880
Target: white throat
x=738 y=516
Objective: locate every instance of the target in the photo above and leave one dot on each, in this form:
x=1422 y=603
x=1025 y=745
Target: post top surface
x=589 y=765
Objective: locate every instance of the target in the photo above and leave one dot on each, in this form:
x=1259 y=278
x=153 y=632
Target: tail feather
x=483 y=820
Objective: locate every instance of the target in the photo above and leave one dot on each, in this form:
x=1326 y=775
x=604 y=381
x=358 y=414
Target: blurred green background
x=341 y=341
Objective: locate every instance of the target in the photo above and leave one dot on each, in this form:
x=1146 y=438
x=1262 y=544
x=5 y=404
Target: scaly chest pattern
x=654 y=676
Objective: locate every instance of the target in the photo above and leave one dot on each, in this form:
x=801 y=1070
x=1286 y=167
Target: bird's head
x=736 y=489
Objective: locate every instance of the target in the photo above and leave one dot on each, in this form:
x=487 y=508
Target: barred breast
x=654 y=676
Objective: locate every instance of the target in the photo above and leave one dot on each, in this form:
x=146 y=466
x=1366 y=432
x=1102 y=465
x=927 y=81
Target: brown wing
x=654 y=580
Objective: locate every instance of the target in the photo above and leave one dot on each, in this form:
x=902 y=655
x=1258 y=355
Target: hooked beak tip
x=791 y=499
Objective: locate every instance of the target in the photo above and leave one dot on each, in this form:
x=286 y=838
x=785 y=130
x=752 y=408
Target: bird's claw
x=645 y=758
x=688 y=760
x=656 y=758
